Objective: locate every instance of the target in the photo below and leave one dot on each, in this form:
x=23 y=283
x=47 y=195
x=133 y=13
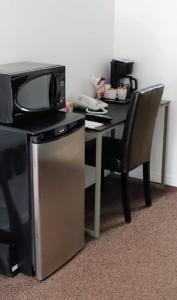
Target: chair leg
x=125 y=200
x=146 y=182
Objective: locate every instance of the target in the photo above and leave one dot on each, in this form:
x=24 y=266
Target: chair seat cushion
x=111 y=153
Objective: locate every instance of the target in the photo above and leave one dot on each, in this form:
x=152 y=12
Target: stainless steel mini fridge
x=41 y=192
x=58 y=187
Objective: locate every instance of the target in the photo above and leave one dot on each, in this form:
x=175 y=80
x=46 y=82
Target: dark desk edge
x=114 y=123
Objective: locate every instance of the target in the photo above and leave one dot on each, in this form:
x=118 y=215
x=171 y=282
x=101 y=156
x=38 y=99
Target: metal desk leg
x=98 y=185
x=96 y=231
x=113 y=135
x=164 y=146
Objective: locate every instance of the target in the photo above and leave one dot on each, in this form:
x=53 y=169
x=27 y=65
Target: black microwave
x=29 y=87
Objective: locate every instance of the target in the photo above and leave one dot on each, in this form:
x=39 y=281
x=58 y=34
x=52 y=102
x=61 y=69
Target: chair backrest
x=139 y=127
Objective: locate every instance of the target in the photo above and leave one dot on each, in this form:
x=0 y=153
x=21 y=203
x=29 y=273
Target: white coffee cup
x=122 y=93
x=111 y=93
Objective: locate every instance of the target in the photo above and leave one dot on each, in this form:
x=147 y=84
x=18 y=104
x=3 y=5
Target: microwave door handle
x=52 y=90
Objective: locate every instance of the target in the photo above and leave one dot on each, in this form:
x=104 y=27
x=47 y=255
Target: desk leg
x=96 y=231
x=164 y=146
x=113 y=135
x=98 y=185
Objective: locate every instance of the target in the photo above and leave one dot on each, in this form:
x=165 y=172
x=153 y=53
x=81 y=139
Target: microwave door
x=34 y=94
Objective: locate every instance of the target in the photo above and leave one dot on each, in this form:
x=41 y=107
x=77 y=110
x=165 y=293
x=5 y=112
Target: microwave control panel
x=60 y=89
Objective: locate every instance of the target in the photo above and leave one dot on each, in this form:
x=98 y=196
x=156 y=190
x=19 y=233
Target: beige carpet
x=134 y=261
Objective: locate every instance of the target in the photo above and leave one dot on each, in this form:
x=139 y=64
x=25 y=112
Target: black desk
x=118 y=113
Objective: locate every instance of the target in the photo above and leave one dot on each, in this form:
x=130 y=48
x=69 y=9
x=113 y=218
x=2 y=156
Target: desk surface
x=118 y=113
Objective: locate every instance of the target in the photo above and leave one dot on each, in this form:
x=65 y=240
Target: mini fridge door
x=58 y=184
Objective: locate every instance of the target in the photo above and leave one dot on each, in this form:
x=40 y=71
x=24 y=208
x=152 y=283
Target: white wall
x=78 y=34
x=145 y=31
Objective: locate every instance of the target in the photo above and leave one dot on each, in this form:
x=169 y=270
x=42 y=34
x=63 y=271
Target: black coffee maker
x=120 y=75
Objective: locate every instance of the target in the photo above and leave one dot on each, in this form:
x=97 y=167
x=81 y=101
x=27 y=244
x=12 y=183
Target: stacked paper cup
x=109 y=92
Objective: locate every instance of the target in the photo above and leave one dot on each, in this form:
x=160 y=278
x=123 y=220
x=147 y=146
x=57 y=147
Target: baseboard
x=156 y=177
x=171 y=180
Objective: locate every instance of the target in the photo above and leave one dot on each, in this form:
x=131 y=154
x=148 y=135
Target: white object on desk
x=92 y=124
x=91 y=104
x=110 y=93
x=122 y=93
